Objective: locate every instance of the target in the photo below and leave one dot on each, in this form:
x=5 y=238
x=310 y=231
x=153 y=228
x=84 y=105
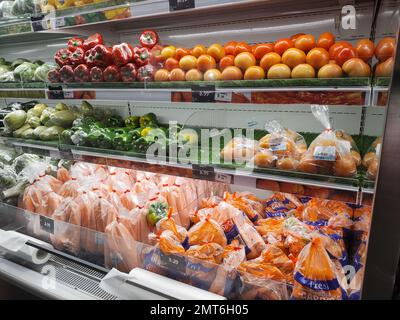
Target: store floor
x=10 y=292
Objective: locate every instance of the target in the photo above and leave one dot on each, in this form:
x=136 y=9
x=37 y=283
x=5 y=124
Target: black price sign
x=65 y=152
x=203 y=172
x=47 y=224
x=173 y=262
x=175 y=5
x=39 y=24
x=55 y=92
x=203 y=93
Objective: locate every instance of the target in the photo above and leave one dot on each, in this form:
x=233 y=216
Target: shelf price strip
x=47 y=224
x=176 y=5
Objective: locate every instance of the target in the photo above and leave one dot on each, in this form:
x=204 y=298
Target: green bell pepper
x=132 y=122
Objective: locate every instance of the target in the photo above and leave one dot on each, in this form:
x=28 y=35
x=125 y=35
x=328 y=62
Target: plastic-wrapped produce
x=206 y=231
x=315 y=274
x=66 y=226
x=239 y=149
x=371 y=158
x=6 y=9
x=285 y=145
x=328 y=154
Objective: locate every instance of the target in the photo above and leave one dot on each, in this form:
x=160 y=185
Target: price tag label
x=277 y=144
x=175 y=5
x=223 y=96
x=47 y=224
x=55 y=92
x=59 y=22
x=65 y=152
x=224 y=178
x=203 y=93
x=68 y=94
x=325 y=153
x=203 y=172
x=39 y=24
x=378 y=149
x=173 y=262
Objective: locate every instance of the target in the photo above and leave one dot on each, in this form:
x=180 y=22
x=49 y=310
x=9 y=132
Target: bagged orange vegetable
x=121 y=251
x=272 y=231
x=328 y=154
x=206 y=231
x=298 y=235
x=67 y=222
x=315 y=274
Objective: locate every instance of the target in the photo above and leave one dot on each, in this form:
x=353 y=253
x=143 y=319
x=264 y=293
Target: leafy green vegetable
x=24 y=160
x=7 y=156
x=148 y=120
x=4 y=69
x=42 y=71
x=18 y=62
x=132 y=122
x=157 y=211
x=25 y=72
x=8 y=177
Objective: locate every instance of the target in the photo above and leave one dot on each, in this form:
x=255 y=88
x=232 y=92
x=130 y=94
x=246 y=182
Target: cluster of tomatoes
x=300 y=56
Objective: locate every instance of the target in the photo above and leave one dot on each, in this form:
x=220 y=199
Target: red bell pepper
x=155 y=55
x=75 y=43
x=96 y=74
x=148 y=38
x=122 y=54
x=93 y=41
x=99 y=56
x=53 y=76
x=112 y=74
x=82 y=73
x=77 y=57
x=141 y=56
x=62 y=57
x=146 y=73
x=128 y=72
x=67 y=74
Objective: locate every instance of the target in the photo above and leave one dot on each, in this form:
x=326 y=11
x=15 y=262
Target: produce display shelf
x=227 y=173
x=334 y=83
x=147 y=90
x=382 y=81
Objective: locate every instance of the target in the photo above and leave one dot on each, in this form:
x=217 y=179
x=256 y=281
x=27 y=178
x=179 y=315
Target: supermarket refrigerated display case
x=356 y=105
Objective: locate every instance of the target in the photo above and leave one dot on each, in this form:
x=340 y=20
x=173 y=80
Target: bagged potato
x=328 y=154
x=371 y=158
x=286 y=145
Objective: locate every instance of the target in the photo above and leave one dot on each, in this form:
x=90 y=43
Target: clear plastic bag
x=66 y=235
x=239 y=150
x=328 y=154
x=315 y=274
x=207 y=231
x=285 y=145
x=371 y=158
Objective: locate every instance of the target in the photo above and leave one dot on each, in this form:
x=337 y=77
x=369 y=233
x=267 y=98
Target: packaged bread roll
x=331 y=152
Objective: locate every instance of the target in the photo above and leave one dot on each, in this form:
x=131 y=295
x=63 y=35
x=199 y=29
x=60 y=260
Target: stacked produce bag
x=333 y=152
x=233 y=244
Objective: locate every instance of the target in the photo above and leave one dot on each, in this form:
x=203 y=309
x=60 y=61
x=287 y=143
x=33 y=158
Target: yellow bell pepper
x=64 y=4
